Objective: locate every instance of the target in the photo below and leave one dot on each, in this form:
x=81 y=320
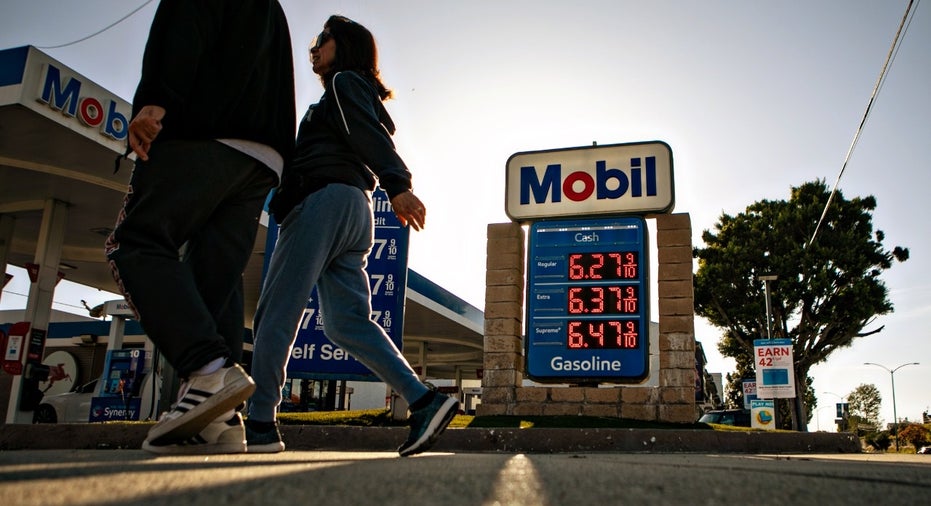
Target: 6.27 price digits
x=603 y=334
x=604 y=266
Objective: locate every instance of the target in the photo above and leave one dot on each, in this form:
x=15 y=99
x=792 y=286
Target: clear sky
x=753 y=97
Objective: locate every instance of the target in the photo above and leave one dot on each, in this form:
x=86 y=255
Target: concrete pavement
x=119 y=477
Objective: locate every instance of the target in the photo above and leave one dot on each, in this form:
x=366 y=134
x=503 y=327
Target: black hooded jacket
x=343 y=138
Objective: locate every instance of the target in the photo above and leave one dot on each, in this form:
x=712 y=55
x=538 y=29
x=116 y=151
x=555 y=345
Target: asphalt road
x=119 y=477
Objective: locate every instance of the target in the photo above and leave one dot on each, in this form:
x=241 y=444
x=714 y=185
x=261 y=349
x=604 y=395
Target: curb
x=502 y=440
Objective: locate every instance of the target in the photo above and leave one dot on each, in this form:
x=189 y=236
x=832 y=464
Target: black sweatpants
x=206 y=197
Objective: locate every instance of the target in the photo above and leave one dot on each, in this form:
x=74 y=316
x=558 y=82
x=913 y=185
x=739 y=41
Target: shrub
x=881 y=441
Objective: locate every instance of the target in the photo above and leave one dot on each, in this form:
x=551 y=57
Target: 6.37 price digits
x=603 y=300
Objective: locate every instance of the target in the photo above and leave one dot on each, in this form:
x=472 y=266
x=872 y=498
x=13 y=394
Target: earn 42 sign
x=775 y=376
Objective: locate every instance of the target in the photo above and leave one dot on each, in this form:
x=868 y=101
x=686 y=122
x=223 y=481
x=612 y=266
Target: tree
x=864 y=402
x=827 y=292
x=916 y=435
x=734 y=389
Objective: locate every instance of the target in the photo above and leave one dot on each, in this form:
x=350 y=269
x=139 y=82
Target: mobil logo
x=633 y=178
x=580 y=185
x=63 y=94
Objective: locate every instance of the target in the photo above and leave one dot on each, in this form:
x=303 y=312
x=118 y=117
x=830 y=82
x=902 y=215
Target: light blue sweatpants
x=325 y=240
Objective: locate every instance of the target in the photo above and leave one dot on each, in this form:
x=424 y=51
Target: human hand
x=144 y=128
x=409 y=210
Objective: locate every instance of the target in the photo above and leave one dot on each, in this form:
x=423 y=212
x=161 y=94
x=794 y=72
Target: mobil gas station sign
x=588 y=304
x=32 y=79
x=633 y=178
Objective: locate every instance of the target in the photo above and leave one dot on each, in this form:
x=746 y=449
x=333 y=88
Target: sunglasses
x=320 y=40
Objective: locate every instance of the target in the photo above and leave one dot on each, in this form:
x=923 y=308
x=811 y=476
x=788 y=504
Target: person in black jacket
x=213 y=122
x=324 y=207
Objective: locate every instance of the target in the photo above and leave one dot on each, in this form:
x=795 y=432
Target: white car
x=75 y=406
x=69 y=407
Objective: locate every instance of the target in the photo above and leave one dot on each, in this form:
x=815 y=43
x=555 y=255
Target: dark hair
x=356 y=51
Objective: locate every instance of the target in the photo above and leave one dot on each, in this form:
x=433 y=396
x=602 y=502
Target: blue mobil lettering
x=580 y=185
x=66 y=98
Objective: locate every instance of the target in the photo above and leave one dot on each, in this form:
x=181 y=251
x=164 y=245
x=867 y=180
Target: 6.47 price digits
x=602 y=334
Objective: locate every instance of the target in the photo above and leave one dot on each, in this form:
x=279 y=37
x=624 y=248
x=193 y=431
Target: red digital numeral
x=629 y=336
x=576 y=271
x=576 y=339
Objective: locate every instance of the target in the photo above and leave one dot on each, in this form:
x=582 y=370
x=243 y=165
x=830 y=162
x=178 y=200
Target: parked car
x=736 y=417
x=924 y=450
x=69 y=407
x=75 y=406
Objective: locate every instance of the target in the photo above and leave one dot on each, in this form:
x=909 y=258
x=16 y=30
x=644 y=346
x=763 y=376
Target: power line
x=879 y=82
x=25 y=296
x=98 y=32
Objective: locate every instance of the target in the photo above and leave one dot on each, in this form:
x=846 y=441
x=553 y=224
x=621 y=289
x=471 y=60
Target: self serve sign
x=634 y=178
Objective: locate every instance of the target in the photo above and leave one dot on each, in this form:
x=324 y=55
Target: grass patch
x=733 y=428
x=576 y=422
x=361 y=418
x=382 y=418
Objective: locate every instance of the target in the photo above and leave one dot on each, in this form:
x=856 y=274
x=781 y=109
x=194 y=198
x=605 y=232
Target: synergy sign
x=634 y=178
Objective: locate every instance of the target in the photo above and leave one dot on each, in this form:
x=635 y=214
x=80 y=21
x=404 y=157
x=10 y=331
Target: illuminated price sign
x=587 y=304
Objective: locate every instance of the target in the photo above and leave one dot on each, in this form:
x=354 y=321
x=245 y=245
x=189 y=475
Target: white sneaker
x=221 y=436
x=201 y=400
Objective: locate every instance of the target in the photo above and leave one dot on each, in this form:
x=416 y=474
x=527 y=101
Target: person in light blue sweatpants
x=325 y=240
x=324 y=205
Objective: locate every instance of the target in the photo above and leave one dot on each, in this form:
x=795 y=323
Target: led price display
x=603 y=334
x=612 y=299
x=587 y=306
x=606 y=266
x=603 y=300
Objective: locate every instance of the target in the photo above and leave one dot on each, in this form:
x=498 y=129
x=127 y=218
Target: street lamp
x=818 y=416
x=841 y=397
x=766 y=280
x=895 y=415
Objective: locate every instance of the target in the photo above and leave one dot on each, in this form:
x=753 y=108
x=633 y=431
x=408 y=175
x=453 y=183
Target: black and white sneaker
x=201 y=400
x=427 y=423
x=221 y=436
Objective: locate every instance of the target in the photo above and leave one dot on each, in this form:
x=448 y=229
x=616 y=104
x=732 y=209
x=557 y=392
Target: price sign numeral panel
x=587 y=304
